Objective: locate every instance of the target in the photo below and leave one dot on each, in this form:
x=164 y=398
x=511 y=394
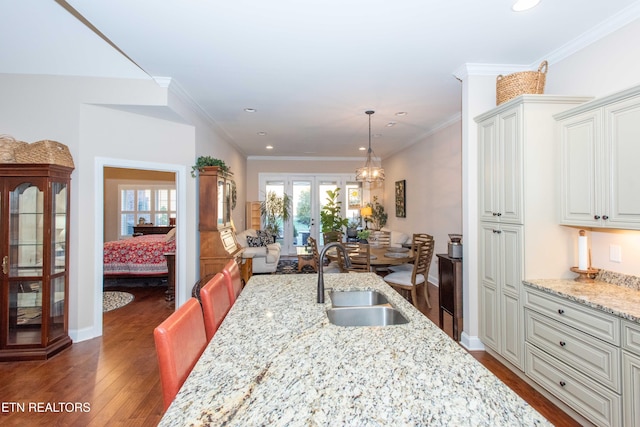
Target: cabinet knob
x=562 y=384
x=562 y=343
x=497 y=231
x=596 y=217
x=605 y=217
x=5 y=264
x=560 y=311
x=494 y=213
x=499 y=214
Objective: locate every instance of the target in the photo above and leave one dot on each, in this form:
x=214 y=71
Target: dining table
x=278 y=360
x=382 y=256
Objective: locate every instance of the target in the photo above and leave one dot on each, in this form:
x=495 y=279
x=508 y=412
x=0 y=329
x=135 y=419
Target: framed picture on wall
x=355 y=198
x=401 y=209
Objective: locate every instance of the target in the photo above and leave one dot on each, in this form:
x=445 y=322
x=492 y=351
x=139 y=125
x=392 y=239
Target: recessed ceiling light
x=250 y=110
x=269 y=147
x=522 y=5
x=401 y=113
x=362 y=148
x=261 y=133
x=391 y=124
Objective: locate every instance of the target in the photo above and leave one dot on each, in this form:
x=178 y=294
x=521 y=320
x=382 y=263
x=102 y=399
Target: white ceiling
x=310 y=68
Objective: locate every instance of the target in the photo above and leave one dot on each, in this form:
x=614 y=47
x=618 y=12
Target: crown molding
x=307 y=158
x=600 y=31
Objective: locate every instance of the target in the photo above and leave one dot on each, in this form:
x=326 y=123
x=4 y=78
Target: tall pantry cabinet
x=519 y=234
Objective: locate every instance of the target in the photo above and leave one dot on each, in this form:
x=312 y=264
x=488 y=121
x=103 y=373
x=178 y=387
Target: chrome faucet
x=347 y=263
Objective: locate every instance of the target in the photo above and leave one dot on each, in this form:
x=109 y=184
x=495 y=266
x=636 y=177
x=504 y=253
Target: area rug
x=112 y=300
x=290 y=266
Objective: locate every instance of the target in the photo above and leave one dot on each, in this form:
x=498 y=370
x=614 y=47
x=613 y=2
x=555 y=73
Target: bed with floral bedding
x=138 y=256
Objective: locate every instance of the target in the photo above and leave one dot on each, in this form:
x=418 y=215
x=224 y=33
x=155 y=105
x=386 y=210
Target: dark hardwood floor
x=117 y=374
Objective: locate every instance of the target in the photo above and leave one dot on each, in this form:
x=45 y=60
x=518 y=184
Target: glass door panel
x=56 y=309
x=303 y=219
x=59 y=227
x=26 y=231
x=324 y=185
x=25 y=312
x=277 y=187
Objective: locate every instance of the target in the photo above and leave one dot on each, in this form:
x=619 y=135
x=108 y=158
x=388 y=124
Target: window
x=153 y=203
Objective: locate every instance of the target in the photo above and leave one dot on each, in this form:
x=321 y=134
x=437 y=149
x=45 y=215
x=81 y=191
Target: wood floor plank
x=117 y=374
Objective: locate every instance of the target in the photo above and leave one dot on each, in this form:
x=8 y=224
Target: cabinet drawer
x=592 y=400
x=631 y=336
x=597 y=359
x=593 y=322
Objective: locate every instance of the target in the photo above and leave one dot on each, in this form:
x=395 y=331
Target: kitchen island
x=276 y=360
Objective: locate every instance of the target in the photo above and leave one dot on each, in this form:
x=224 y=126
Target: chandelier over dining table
x=372 y=170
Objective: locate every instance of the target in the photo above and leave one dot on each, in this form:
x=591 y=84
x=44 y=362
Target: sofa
x=265 y=254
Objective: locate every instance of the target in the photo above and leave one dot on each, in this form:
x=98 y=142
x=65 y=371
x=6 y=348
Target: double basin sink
x=362 y=308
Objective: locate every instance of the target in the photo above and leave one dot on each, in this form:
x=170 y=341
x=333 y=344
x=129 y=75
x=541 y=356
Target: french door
x=308 y=195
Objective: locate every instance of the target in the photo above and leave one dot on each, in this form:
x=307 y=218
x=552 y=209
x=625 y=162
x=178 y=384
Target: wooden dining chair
x=231 y=273
x=332 y=236
x=180 y=340
x=360 y=257
x=418 y=238
x=331 y=268
x=216 y=303
x=419 y=274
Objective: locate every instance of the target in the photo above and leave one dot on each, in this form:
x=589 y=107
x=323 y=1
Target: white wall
x=433 y=172
x=607 y=66
x=146 y=125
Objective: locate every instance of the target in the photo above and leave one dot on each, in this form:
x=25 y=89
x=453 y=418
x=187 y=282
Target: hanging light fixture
x=372 y=170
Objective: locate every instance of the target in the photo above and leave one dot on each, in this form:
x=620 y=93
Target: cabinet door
x=488 y=168
x=580 y=176
x=631 y=388
x=511 y=259
x=511 y=328
x=622 y=137
x=510 y=170
x=489 y=317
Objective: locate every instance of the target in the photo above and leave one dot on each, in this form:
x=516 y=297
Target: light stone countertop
x=276 y=360
x=614 y=299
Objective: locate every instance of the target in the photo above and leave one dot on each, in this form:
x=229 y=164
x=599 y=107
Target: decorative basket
x=524 y=82
x=8 y=145
x=51 y=152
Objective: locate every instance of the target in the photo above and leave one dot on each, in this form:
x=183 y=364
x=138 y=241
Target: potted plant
x=204 y=161
x=352 y=227
x=378 y=216
x=363 y=235
x=275 y=210
x=330 y=215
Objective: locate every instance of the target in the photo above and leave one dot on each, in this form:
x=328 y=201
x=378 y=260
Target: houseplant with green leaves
x=378 y=216
x=275 y=211
x=204 y=161
x=331 y=214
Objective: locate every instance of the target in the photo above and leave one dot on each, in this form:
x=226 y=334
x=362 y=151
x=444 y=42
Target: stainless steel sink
x=366 y=316
x=357 y=298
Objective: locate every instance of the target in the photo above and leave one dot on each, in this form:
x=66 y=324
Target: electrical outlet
x=615 y=253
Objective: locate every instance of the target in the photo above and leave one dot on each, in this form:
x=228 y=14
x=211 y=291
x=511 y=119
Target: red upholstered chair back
x=231 y=273
x=180 y=340
x=216 y=303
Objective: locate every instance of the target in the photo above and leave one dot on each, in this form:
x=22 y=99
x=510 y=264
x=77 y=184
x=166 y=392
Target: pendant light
x=372 y=170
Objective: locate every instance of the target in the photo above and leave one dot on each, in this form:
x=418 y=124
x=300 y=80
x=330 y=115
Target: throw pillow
x=267 y=236
x=171 y=235
x=255 y=242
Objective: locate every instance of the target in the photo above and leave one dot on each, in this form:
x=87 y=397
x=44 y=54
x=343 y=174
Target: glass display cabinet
x=34 y=278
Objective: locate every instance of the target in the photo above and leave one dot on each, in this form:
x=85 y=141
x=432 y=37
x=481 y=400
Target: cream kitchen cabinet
x=573 y=351
x=500 y=278
x=631 y=372
x=599 y=172
x=518 y=225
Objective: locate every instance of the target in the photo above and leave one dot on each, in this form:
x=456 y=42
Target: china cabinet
x=218 y=242
x=34 y=279
x=519 y=235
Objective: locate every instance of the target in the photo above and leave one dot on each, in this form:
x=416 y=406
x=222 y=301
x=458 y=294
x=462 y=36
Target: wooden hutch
x=218 y=242
x=34 y=278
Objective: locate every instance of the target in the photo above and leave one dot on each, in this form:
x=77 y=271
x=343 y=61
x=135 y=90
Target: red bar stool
x=216 y=303
x=231 y=273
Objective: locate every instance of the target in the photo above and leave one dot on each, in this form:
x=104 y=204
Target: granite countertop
x=620 y=300
x=276 y=360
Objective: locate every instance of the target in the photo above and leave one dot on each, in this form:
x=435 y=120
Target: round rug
x=112 y=300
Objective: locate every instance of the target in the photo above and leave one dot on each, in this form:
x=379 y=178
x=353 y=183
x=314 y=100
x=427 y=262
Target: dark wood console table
x=450 y=291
